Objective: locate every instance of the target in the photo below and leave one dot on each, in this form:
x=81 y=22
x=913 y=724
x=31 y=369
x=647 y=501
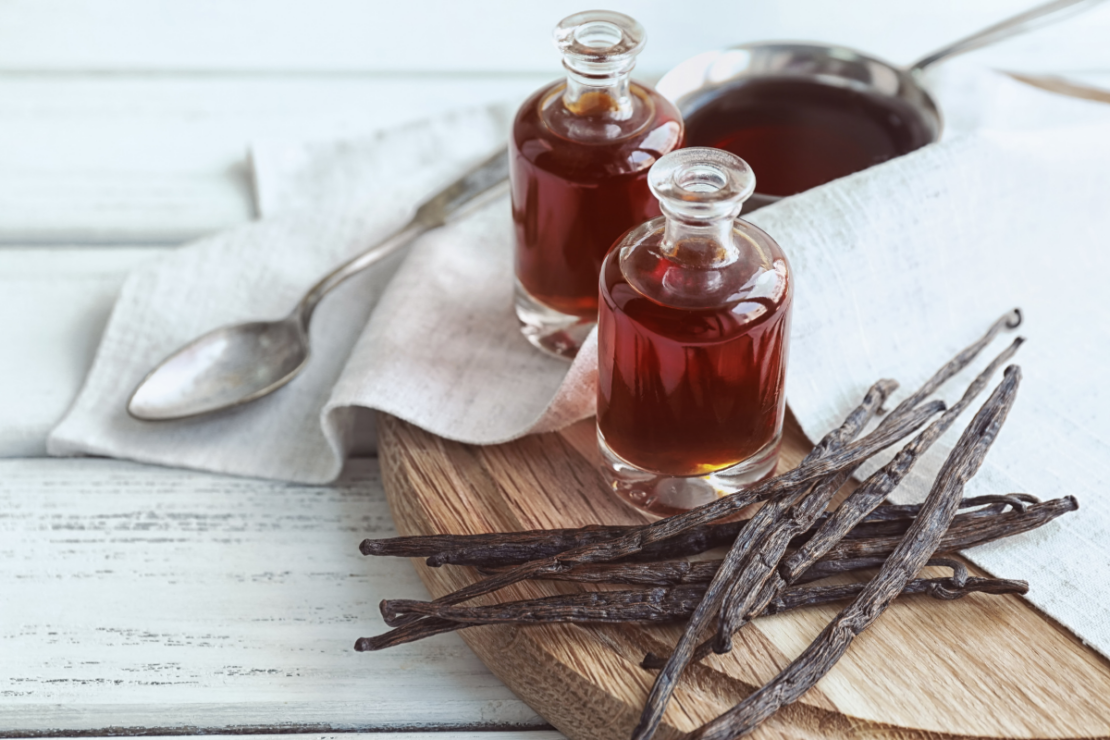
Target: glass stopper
x=701 y=184
x=599 y=43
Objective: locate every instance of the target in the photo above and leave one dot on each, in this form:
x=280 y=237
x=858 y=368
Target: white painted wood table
x=151 y=601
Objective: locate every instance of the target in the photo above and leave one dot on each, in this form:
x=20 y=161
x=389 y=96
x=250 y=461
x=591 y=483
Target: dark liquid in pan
x=797 y=134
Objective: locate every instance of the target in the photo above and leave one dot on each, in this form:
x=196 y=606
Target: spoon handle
x=431 y=214
x=1021 y=23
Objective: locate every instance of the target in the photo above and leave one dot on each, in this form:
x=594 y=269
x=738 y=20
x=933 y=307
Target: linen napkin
x=896 y=268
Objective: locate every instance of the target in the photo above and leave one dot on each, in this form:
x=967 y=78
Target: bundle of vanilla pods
x=773 y=557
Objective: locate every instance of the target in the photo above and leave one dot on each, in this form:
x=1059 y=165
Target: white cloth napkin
x=896 y=268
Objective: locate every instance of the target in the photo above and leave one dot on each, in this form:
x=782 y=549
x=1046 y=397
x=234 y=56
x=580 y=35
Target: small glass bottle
x=693 y=331
x=579 y=154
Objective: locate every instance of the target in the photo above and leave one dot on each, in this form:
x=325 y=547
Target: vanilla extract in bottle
x=580 y=152
x=693 y=333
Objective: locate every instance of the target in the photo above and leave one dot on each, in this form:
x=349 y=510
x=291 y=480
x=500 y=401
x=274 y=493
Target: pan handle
x=1033 y=18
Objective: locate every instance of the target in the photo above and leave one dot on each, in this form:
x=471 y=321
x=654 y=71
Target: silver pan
x=696 y=79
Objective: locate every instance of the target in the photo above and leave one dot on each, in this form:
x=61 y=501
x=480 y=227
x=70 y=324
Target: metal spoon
x=236 y=364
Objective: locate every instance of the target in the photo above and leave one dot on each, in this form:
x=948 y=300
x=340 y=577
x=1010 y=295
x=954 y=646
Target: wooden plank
x=55 y=304
x=502 y=735
x=105 y=160
x=983 y=666
x=142 y=597
x=435 y=735
x=484 y=35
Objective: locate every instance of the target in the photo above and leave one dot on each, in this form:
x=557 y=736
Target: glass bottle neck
x=608 y=96
x=700 y=243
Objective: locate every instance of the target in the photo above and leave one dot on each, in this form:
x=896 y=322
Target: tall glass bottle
x=693 y=332
x=579 y=157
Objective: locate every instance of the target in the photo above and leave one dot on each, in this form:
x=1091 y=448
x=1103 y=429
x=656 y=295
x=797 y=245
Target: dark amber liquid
x=797 y=134
x=572 y=200
x=687 y=392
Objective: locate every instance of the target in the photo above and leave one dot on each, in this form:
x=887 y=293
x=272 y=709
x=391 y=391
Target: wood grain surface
x=984 y=666
x=140 y=600
x=144 y=600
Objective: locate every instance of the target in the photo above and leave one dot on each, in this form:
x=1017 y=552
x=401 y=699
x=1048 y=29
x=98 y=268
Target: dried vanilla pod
x=499 y=549
x=964 y=533
x=650 y=605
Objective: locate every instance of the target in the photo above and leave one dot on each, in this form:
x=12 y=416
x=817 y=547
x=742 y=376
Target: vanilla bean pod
x=740 y=562
x=770 y=605
x=643 y=607
x=500 y=549
x=758 y=578
x=411 y=632
x=921 y=540
x=691 y=542
x=441 y=549
x=1010 y=320
x=634 y=542
x=663 y=604
x=966 y=533
x=893 y=520
x=938 y=588
x=684 y=573
x=669 y=573
x=990 y=501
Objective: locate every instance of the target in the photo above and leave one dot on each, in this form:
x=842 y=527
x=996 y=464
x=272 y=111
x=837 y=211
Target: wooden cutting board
x=984 y=666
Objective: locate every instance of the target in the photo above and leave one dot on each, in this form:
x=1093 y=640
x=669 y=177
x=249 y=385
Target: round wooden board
x=984 y=666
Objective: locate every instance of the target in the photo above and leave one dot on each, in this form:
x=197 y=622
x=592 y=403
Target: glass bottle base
x=664 y=495
x=552 y=331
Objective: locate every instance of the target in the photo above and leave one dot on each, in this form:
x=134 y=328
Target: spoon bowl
x=223 y=368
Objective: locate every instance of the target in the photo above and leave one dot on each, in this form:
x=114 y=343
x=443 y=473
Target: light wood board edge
x=555 y=669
